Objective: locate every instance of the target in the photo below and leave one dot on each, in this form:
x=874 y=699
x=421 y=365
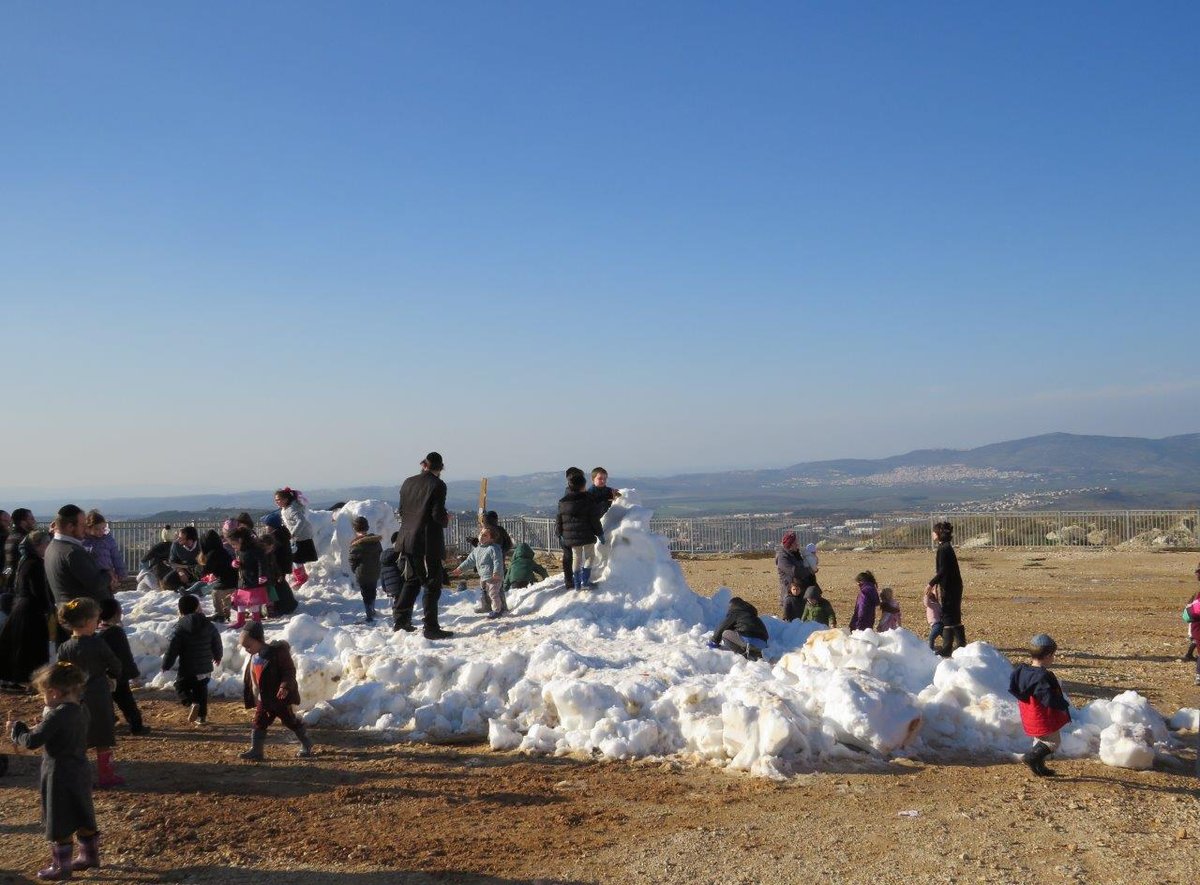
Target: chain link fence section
x=731 y=535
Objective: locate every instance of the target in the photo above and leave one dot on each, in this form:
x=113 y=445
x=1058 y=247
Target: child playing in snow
x=196 y=645
x=933 y=614
x=889 y=611
x=578 y=527
x=295 y=518
x=113 y=633
x=91 y=654
x=866 y=603
x=488 y=561
x=1044 y=707
x=523 y=569
x=742 y=631
x=817 y=608
x=251 y=596
x=391 y=578
x=219 y=574
x=793 y=605
x=66 y=778
x=270 y=689
x=366 y=551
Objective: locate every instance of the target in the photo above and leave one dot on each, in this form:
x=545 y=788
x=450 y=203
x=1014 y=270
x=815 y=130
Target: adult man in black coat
x=71 y=571
x=422 y=545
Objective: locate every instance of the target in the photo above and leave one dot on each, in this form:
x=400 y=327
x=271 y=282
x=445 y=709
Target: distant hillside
x=1055 y=471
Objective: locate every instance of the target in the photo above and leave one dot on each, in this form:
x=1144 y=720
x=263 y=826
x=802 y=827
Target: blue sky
x=255 y=244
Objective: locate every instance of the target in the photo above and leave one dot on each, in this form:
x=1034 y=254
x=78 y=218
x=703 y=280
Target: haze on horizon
x=247 y=247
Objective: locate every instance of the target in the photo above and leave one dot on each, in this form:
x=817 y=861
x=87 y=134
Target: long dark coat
x=66 y=774
x=92 y=654
x=423 y=517
x=24 y=639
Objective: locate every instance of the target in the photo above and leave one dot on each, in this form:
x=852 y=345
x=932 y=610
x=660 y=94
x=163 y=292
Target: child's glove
x=208 y=579
x=262 y=580
x=712 y=644
x=237 y=563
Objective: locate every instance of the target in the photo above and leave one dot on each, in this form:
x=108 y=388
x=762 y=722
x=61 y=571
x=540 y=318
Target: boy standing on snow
x=365 y=553
x=1044 y=707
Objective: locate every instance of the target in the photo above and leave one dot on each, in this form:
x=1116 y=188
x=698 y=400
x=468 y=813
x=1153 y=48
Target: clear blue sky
x=244 y=245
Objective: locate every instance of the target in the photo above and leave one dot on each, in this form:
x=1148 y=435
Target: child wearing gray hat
x=1044 y=707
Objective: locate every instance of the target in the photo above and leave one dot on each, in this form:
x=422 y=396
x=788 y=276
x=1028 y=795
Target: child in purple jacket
x=98 y=541
x=866 y=604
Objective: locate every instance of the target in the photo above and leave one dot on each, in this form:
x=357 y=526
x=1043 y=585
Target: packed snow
x=624 y=672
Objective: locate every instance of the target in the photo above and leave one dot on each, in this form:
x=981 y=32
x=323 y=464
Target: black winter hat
x=433 y=461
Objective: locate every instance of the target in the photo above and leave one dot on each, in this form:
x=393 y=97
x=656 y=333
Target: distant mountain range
x=1052 y=471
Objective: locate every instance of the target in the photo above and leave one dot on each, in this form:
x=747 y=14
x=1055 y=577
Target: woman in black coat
x=25 y=637
x=949 y=579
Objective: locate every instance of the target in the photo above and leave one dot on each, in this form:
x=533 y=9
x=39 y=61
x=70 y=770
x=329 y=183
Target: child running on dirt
x=196 y=645
x=1044 y=707
x=365 y=552
x=488 y=561
x=889 y=611
x=270 y=689
x=1192 y=615
x=66 y=779
x=817 y=608
x=90 y=653
x=113 y=633
x=1190 y=654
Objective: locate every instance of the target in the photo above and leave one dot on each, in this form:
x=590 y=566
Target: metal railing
x=761 y=534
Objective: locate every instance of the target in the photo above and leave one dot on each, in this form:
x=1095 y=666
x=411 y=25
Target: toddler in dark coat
x=270 y=689
x=66 y=779
x=365 y=552
x=196 y=645
x=91 y=653
x=742 y=631
x=113 y=634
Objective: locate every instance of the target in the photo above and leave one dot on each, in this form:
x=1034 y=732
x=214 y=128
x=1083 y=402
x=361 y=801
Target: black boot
x=1036 y=759
x=1191 y=652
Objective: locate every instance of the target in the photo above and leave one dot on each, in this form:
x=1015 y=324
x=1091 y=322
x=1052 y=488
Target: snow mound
x=624 y=672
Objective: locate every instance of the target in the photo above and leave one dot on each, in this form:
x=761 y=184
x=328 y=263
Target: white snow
x=624 y=672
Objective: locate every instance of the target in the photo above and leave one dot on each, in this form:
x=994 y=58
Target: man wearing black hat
x=422 y=545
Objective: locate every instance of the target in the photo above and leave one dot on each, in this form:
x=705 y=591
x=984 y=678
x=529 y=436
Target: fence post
x=692 y=535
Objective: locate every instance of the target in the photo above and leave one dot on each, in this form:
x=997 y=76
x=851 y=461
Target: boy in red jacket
x=1044 y=707
x=270 y=690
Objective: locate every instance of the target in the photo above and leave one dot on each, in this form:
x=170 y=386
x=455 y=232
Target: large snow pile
x=624 y=672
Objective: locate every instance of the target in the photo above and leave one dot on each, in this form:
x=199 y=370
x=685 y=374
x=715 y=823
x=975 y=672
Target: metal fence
x=761 y=534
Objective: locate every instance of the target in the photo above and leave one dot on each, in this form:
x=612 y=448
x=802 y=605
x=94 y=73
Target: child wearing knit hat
x=1044 y=707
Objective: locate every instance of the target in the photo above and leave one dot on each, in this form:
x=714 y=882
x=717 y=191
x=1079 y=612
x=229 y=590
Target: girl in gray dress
x=66 y=779
x=87 y=650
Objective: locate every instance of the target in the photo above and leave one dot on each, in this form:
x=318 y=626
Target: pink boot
x=108 y=771
x=241 y=620
x=299 y=577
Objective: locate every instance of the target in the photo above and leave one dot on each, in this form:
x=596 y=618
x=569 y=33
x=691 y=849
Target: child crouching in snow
x=270 y=689
x=66 y=778
x=523 y=569
x=251 y=596
x=488 y=561
x=1044 y=707
x=742 y=630
x=889 y=616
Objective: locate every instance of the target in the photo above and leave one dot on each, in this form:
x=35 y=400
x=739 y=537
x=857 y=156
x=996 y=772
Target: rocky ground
x=368 y=812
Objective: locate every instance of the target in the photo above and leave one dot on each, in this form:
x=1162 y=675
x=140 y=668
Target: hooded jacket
x=743 y=619
x=365 y=555
x=280 y=670
x=196 y=644
x=523 y=567
x=1044 y=708
x=578 y=523
x=390 y=577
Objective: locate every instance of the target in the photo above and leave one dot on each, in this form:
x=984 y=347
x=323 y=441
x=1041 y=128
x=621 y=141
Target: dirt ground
x=368 y=812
